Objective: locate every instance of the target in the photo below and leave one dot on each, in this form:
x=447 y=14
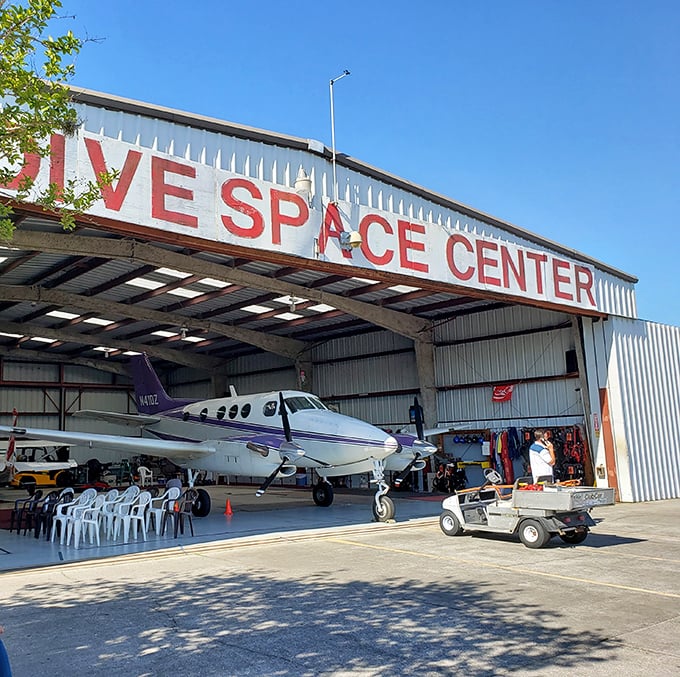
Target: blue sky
x=560 y=117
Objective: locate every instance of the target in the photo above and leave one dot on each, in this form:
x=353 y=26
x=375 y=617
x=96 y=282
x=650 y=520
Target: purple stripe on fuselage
x=246 y=431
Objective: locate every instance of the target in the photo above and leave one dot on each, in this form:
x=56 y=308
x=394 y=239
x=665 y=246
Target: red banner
x=502 y=393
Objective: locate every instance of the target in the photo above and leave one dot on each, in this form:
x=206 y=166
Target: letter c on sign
x=450 y=257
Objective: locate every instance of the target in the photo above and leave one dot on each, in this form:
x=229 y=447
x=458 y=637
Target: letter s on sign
x=257 y=227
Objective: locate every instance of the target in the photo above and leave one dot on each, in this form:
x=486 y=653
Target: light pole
x=335 y=177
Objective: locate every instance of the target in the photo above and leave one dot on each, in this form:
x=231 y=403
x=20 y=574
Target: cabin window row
x=269 y=409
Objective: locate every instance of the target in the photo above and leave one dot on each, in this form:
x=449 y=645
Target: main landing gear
x=201 y=506
x=322 y=493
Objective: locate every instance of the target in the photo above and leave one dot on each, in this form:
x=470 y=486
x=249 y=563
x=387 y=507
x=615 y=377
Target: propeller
x=290 y=447
x=287 y=450
x=271 y=477
x=418 y=420
x=283 y=413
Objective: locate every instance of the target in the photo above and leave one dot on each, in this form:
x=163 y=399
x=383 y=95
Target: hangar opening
x=222 y=254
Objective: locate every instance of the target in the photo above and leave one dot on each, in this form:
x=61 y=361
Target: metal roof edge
x=111 y=101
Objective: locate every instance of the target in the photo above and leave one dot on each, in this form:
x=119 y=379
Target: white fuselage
x=332 y=443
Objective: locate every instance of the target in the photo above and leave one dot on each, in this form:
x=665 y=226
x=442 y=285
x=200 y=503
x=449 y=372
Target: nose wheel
x=383 y=509
x=383 y=506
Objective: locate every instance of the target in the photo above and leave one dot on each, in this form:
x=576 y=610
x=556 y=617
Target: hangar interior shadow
x=252 y=624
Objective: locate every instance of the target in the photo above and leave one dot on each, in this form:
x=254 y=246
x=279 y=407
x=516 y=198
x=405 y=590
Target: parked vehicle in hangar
x=535 y=513
x=39 y=463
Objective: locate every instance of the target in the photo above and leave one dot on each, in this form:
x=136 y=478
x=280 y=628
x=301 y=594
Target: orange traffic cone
x=227 y=509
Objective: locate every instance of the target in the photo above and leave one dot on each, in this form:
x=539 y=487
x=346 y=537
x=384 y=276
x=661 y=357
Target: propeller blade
x=271 y=478
x=404 y=473
x=283 y=412
x=418 y=410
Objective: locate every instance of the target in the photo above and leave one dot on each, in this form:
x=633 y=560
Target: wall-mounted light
x=303 y=186
x=350 y=239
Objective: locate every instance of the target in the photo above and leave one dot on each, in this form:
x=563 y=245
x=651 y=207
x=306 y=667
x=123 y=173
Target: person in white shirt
x=541 y=457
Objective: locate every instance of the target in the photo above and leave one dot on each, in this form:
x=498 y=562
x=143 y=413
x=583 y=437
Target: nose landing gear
x=383 y=506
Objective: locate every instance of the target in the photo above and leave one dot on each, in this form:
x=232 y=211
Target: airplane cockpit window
x=269 y=408
x=233 y=410
x=245 y=410
x=185 y=416
x=203 y=414
x=221 y=412
x=299 y=402
x=317 y=403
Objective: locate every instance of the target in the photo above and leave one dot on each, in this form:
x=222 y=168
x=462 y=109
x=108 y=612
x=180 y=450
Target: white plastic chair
x=157 y=507
x=109 y=508
x=87 y=520
x=145 y=476
x=64 y=511
x=131 y=514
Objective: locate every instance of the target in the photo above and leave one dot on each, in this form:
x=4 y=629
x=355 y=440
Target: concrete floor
x=279 y=510
x=288 y=589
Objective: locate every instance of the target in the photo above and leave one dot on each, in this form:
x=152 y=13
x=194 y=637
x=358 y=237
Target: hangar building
x=233 y=255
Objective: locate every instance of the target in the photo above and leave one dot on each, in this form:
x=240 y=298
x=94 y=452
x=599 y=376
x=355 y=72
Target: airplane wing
x=139 y=445
x=136 y=420
x=32 y=444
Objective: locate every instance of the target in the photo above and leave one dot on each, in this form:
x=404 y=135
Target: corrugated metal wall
x=51 y=404
x=374 y=377
x=643 y=378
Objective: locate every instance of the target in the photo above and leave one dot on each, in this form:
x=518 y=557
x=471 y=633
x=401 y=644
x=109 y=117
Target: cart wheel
x=533 y=534
x=575 y=537
x=450 y=524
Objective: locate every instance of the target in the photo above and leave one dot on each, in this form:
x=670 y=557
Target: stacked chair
x=158 y=506
x=22 y=506
x=131 y=515
x=87 y=520
x=109 y=508
x=179 y=511
x=62 y=520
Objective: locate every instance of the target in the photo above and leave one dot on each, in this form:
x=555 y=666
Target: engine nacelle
x=287 y=471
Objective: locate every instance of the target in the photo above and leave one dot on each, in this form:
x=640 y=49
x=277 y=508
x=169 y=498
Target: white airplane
x=262 y=435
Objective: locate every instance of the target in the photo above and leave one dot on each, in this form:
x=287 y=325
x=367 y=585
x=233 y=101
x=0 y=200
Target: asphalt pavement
x=358 y=598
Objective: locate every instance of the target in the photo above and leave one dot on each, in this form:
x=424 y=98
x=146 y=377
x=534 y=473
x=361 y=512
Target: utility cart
x=535 y=512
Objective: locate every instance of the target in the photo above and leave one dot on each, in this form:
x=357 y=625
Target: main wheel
x=386 y=511
x=322 y=493
x=201 y=507
x=575 y=537
x=533 y=534
x=450 y=524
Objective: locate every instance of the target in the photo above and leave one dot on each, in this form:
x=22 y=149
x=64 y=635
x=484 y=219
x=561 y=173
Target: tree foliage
x=35 y=102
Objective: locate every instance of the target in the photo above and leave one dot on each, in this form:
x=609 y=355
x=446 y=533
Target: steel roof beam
x=21 y=354
x=185 y=358
x=287 y=347
x=131 y=250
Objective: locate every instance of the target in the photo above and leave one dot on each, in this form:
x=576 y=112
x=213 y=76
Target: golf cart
x=536 y=512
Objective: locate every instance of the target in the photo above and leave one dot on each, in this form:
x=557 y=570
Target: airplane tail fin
x=149 y=392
